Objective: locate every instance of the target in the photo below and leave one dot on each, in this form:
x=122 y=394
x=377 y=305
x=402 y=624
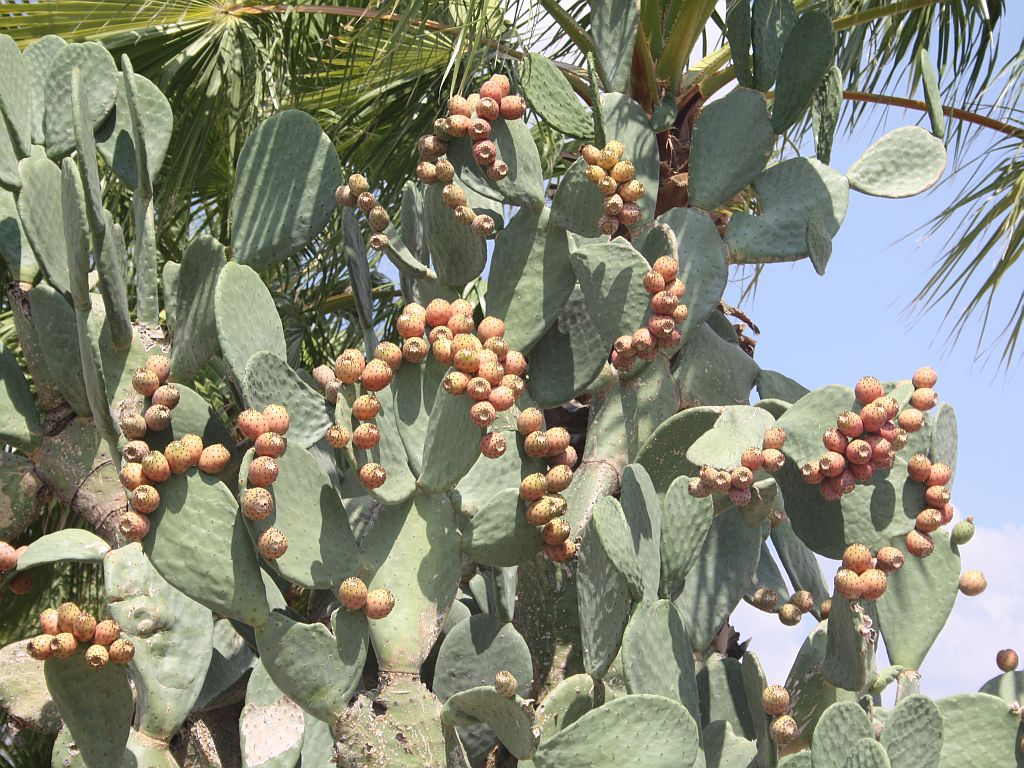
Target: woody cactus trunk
x=392 y=561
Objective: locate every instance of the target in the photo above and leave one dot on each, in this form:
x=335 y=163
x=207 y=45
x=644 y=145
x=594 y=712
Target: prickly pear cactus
x=515 y=530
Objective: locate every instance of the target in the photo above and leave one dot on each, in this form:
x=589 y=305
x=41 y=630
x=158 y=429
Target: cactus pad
x=269 y=379
x=902 y=163
x=912 y=736
x=99 y=79
x=246 y=317
x=114 y=138
x=806 y=58
x=552 y=98
x=498 y=533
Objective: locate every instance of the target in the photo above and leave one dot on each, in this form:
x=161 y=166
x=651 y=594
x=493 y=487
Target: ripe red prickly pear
x=858 y=452
x=928 y=520
x=862 y=473
x=379 y=603
x=136 y=450
x=502 y=398
x=557 y=439
x=772 y=460
x=530 y=420
x=485 y=152
x=270 y=444
x=924 y=399
x=158 y=418
x=155 y=467
x=257 y=503
x=455 y=383
x=739 y=497
x=331 y=391
x=835 y=441
x=121 y=651
x=178 y=457
x=131 y=476
x=366 y=436
x=167 y=395
x=774 y=438
x=377 y=375
x=251 y=423
x=939 y=474
x=667 y=267
x=849 y=424
x=160 y=365
x=544 y=509
x=742 y=477
x=751 y=459
x=664 y=303
x=349 y=369
x=1007 y=660
x=911 y=420
x=556 y=531
x=698 y=488
x=783 y=730
x=64 y=645
x=847 y=584
x=790 y=615
x=277 y=418
x=925 y=378
x=919 y=467
x=372 y=475
x=890 y=405
x=873 y=417
x=272 y=544
x=133 y=526
x=566 y=458
x=832 y=464
x=145 y=499
x=811 y=473
x=936 y=496
x=415 y=350
x=482 y=413
x=919 y=544
x=337 y=436
x=83 y=627
x=562 y=553
x=214 y=459
x=830 y=489
x=49 y=621
x=145 y=382
x=41 y=647
x=533 y=486
x=390 y=353
x=263 y=471
x=96 y=656
x=193 y=446
x=493 y=445
x=873 y=583
x=857 y=558
x=775 y=699
x=972 y=583
x=512 y=107
x=66 y=615
x=889 y=559
x=490 y=328
x=868 y=389
x=352 y=593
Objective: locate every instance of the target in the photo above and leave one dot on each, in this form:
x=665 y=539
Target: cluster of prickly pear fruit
x=775 y=701
x=21 y=583
x=613 y=175
x=266 y=430
x=736 y=482
x=792 y=611
x=357 y=194
x=67 y=628
x=142 y=467
x=542 y=492
x=375 y=603
x=863 y=576
x=662 y=282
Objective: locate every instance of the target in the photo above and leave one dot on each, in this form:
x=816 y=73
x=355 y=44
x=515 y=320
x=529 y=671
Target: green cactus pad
x=390 y=452
x=717 y=582
x=912 y=736
x=788 y=194
x=714 y=371
x=459 y=253
x=15 y=96
x=932 y=92
x=23 y=693
x=566 y=703
x=359 y=275
x=195 y=325
x=866 y=515
x=909 y=624
x=771 y=22
x=636 y=731
x=85 y=157
x=732 y=141
x=317 y=744
x=805 y=60
x=800 y=563
x=99 y=80
x=269 y=379
x=664 y=453
x=38 y=56
x=321 y=548
x=14 y=244
x=523 y=185
x=737 y=32
x=850 y=652
x=772 y=385
x=476 y=488
x=531 y=276
x=475 y=650
x=724 y=749
x=9 y=177
x=841 y=726
x=656 y=655
x=69 y=545
x=498 y=534
x=754 y=683
x=20 y=488
x=421 y=531
x=38 y=199
x=95 y=704
x=1008 y=686
x=866 y=753
x=19 y=421
x=811 y=692
x=723 y=695
x=284 y=189
x=271 y=725
x=553 y=98
x=452 y=444
x=110 y=261
x=614 y=26
x=611 y=276
x=317 y=670
x=246 y=317
x=702 y=264
x=604 y=604
x=577 y=203
x=944 y=435
x=685 y=522
x=414 y=390
x=172 y=635
x=568 y=356
x=199 y=544
x=768 y=575
x=978 y=729
x=738 y=428
x=231 y=660
x=640 y=504
x=114 y=138
x=612 y=531
x=825 y=109
x=624 y=120
x=903 y=163
x=510 y=720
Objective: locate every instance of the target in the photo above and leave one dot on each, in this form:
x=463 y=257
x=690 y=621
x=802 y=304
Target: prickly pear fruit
x=1007 y=660
x=263 y=471
x=566 y=458
x=372 y=475
x=366 y=436
x=251 y=423
x=936 y=496
x=179 y=456
x=775 y=699
x=482 y=414
x=493 y=445
x=739 y=497
x=772 y=460
x=939 y=474
x=277 y=418
x=963 y=531
x=214 y=459
x=155 y=467
x=121 y=651
x=272 y=544
x=145 y=499
x=352 y=593
x=911 y=420
x=889 y=559
x=919 y=544
x=924 y=399
x=765 y=598
x=562 y=553
x=133 y=526
x=868 y=389
x=131 y=476
x=49 y=621
x=972 y=583
x=270 y=444
x=337 y=436
x=533 y=486
x=135 y=451
x=505 y=684
x=919 y=467
x=66 y=615
x=556 y=531
x=97 y=656
x=41 y=647
x=64 y=645
x=83 y=627
x=925 y=378
x=803 y=600
x=145 y=382
x=377 y=374
x=167 y=395
x=257 y=503
x=379 y=603
x=873 y=583
x=790 y=615
x=157 y=417
x=928 y=520
x=107 y=631
x=848 y=584
x=783 y=730
x=559 y=477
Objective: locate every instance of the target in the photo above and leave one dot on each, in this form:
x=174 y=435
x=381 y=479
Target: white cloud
x=963 y=657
